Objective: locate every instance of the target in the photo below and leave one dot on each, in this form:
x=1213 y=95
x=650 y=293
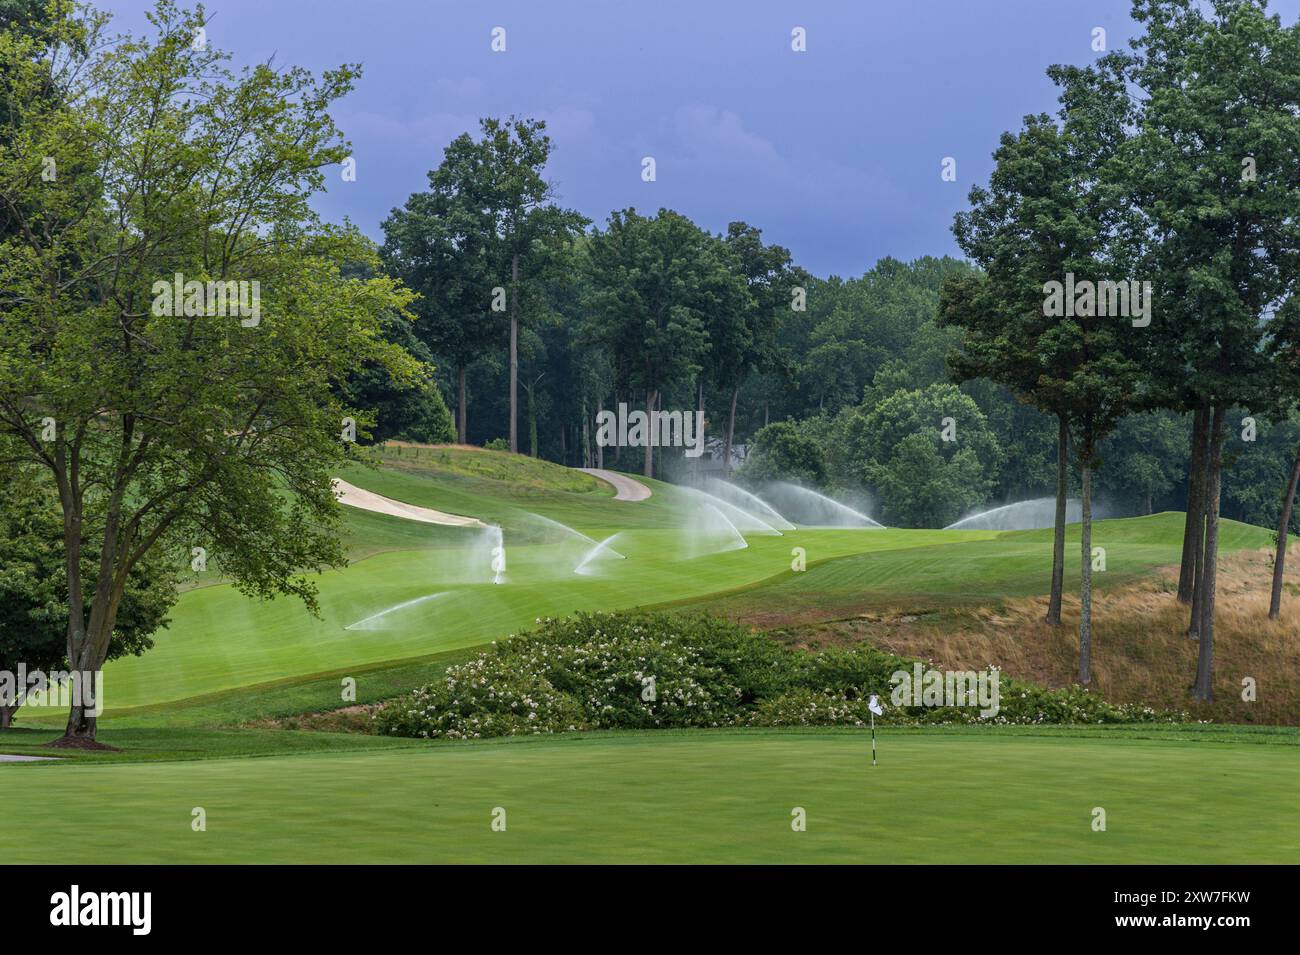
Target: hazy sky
x=834 y=153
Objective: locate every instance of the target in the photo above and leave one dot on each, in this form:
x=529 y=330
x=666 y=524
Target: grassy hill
x=424 y=589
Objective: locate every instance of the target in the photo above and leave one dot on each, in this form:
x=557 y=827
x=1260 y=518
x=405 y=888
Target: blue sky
x=834 y=153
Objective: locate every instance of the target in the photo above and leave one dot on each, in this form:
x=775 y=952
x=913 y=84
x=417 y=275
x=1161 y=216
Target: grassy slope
x=219 y=640
x=1010 y=564
x=702 y=796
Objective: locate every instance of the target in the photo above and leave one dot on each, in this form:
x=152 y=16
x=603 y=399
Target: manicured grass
x=219 y=639
x=698 y=796
x=1009 y=564
x=171 y=743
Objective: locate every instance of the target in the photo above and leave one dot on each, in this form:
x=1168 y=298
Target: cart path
x=627 y=488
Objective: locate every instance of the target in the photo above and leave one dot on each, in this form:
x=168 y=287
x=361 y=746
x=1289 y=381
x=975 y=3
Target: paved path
x=354 y=496
x=5 y=758
x=628 y=489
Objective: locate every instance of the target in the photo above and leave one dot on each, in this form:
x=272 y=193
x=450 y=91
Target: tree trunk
x=82 y=723
x=650 y=398
x=1198 y=575
x=1194 y=524
x=7 y=716
x=1198 y=538
x=600 y=448
x=514 y=353
x=1058 y=535
x=731 y=433
x=1283 y=525
x=1085 y=579
x=461 y=424
x=586 y=436
x=1204 y=687
x=93 y=652
x=532 y=423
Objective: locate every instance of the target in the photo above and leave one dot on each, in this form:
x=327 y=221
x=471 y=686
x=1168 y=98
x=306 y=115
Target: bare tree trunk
x=462 y=423
x=618 y=445
x=731 y=433
x=7 y=716
x=1198 y=576
x=1283 y=526
x=600 y=448
x=586 y=436
x=81 y=724
x=1194 y=523
x=1085 y=579
x=1058 y=535
x=514 y=353
x=532 y=421
x=1198 y=538
x=650 y=398
x=1204 y=687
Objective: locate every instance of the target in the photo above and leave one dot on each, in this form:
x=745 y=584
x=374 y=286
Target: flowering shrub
x=594 y=671
x=638 y=670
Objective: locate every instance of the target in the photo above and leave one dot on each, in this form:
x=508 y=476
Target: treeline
x=860 y=366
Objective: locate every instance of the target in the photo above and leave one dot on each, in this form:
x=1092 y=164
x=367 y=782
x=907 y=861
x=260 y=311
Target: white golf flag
x=873 y=705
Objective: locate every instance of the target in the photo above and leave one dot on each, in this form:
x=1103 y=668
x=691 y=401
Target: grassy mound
x=482 y=464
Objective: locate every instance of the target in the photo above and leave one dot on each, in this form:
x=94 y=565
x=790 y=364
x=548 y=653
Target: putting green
x=701 y=796
x=425 y=589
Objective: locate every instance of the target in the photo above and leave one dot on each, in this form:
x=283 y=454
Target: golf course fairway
x=420 y=589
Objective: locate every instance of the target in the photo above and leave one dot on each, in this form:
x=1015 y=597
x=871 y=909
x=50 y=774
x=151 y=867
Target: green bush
x=783 y=453
x=645 y=671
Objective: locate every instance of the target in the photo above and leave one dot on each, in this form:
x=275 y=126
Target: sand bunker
x=354 y=496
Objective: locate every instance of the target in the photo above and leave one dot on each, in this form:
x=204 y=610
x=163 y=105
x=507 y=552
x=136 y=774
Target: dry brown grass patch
x=1141 y=652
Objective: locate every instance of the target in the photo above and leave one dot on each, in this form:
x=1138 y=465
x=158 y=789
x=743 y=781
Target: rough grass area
x=467 y=461
x=1141 y=653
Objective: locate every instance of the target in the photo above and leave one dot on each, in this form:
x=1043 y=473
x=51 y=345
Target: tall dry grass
x=1141 y=651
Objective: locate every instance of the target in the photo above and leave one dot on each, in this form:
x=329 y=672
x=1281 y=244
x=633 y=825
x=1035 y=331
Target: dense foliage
x=594 y=671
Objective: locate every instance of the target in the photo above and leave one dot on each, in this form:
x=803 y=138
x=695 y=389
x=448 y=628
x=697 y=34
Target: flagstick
x=873 y=739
